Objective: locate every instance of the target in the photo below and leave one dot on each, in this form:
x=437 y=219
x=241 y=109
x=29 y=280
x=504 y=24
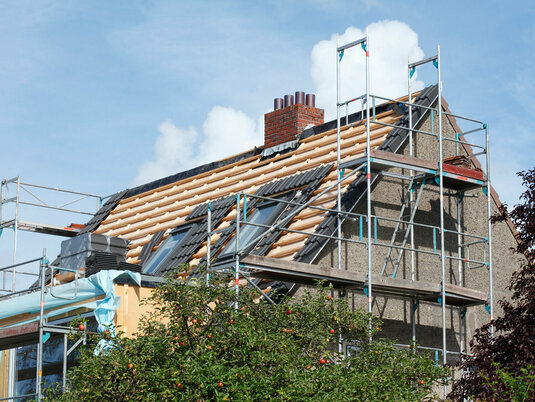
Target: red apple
x=331 y=331
x=130 y=366
x=175 y=338
x=309 y=367
x=81 y=327
x=195 y=321
x=181 y=343
x=220 y=384
x=422 y=382
x=178 y=385
x=329 y=297
x=328 y=361
x=322 y=361
x=288 y=311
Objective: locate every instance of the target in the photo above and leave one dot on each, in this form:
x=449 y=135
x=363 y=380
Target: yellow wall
x=130 y=311
x=4 y=373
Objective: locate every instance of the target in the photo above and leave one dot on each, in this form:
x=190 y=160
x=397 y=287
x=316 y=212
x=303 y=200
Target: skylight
x=165 y=248
x=264 y=214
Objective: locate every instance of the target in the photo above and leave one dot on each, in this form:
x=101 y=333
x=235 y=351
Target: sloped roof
x=139 y=213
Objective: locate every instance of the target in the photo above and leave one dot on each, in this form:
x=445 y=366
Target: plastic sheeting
x=98 y=284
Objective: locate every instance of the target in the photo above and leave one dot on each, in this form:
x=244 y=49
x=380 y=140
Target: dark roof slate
x=103 y=212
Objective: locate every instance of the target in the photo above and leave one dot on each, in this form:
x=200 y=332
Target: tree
x=504 y=365
x=198 y=346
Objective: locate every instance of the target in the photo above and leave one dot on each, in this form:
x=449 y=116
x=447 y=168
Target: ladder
x=395 y=253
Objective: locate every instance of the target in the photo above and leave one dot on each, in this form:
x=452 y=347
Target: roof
x=147 y=214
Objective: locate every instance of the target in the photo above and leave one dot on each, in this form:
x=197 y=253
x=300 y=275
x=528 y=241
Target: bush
x=198 y=346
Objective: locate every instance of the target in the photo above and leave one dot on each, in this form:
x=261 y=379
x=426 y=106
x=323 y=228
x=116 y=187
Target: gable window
x=163 y=252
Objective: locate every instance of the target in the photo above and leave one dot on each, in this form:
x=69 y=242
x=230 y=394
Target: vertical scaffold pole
x=237 y=267
x=368 y=177
x=39 y=366
x=410 y=72
x=460 y=270
x=3 y=194
x=338 y=161
x=208 y=243
x=489 y=229
x=15 y=237
x=442 y=240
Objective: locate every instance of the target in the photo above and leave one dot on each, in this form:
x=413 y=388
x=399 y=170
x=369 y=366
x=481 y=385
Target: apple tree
x=199 y=345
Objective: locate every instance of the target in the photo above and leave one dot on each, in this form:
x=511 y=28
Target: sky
x=99 y=96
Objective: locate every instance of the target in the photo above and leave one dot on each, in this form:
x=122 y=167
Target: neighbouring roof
x=145 y=215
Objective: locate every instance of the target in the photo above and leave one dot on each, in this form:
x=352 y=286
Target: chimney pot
x=288 y=100
x=285 y=124
x=311 y=100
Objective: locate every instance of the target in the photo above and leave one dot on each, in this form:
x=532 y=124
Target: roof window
x=163 y=253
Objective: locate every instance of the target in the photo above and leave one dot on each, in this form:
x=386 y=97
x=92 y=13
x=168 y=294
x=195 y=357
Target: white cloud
x=392 y=44
x=225 y=132
x=173 y=152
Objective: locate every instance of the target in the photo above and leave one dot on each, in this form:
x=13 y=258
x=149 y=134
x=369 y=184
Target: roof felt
x=162 y=205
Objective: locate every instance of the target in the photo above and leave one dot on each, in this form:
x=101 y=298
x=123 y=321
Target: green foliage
x=197 y=346
x=511 y=386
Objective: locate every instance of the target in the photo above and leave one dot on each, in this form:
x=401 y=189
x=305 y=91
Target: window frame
x=185 y=229
x=272 y=218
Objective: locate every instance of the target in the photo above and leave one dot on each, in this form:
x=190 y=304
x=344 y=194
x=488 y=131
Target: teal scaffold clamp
x=245 y=207
x=439 y=300
x=435 y=63
x=412 y=70
x=341 y=173
x=340 y=56
x=45 y=261
x=365 y=290
x=460 y=196
x=1 y=230
x=46 y=336
x=364 y=47
x=416 y=305
x=485 y=191
x=487 y=307
x=463 y=312
x=485 y=126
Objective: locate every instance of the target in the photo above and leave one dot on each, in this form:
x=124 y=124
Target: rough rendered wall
x=387 y=197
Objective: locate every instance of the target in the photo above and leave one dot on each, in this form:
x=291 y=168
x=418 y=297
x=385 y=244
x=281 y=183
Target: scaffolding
x=451 y=181
x=14 y=192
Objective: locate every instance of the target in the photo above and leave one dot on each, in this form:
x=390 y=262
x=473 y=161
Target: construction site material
x=74 y=252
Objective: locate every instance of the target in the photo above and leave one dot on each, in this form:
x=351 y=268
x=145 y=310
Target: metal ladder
x=395 y=253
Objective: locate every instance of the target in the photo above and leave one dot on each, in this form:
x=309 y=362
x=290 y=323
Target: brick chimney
x=289 y=119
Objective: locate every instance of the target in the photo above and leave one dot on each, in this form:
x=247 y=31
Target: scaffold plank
x=276 y=269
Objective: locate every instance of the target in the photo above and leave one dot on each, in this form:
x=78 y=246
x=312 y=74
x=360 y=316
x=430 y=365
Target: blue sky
x=95 y=94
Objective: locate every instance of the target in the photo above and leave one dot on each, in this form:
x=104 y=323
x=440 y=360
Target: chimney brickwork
x=284 y=125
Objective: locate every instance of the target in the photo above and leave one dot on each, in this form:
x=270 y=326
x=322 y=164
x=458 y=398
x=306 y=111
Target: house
x=286 y=191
